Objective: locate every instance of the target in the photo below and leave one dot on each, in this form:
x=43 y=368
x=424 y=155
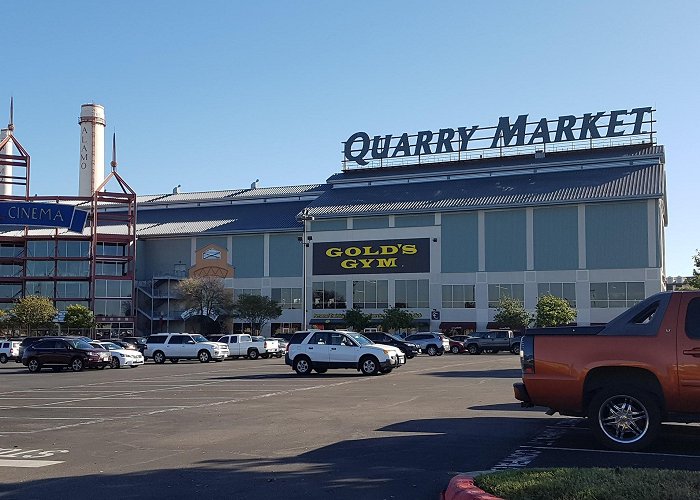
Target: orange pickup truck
x=628 y=376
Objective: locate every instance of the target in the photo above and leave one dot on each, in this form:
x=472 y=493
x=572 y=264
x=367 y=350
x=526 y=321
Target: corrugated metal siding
x=495 y=192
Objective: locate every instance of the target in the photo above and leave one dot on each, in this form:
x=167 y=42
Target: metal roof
x=572 y=186
x=217 y=219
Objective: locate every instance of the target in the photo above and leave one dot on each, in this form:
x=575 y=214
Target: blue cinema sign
x=27 y=213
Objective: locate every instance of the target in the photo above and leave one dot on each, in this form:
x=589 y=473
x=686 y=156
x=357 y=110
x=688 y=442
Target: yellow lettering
x=334 y=252
x=386 y=262
x=366 y=262
x=349 y=263
x=352 y=251
x=389 y=249
x=368 y=251
x=409 y=249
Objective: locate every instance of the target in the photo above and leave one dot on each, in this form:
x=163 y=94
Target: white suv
x=177 y=346
x=324 y=349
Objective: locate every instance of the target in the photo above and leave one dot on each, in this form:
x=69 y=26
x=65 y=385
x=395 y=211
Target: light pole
x=305 y=240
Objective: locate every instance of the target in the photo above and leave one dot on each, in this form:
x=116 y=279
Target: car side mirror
x=191 y=342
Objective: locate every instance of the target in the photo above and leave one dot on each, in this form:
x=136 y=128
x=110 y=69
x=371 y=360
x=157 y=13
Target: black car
x=60 y=352
x=408 y=348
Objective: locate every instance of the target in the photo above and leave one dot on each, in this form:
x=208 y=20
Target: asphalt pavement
x=247 y=429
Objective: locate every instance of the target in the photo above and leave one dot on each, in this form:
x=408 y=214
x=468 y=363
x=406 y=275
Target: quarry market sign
x=361 y=150
x=372 y=257
x=42 y=215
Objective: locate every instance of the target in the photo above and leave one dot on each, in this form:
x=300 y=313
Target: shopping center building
x=440 y=223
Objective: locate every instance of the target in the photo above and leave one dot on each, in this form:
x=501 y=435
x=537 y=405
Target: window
x=72 y=289
x=10 y=270
x=566 y=291
x=616 y=294
x=319 y=338
x=177 y=339
x=113 y=307
x=40 y=268
x=692 y=319
x=111 y=249
x=10 y=250
x=110 y=268
x=372 y=294
x=113 y=288
x=156 y=339
x=41 y=249
x=73 y=248
x=245 y=291
x=498 y=291
x=8 y=291
x=329 y=295
x=458 y=297
x=287 y=298
x=43 y=288
x=77 y=268
x=411 y=293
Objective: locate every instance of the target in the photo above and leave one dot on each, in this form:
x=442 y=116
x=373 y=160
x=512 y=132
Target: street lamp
x=305 y=240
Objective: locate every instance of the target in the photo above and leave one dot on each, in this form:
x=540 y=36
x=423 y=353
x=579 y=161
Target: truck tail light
x=527 y=354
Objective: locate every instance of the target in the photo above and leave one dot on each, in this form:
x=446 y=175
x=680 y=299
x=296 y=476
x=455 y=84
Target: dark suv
x=408 y=348
x=60 y=352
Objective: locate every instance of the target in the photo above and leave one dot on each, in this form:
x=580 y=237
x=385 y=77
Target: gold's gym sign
x=372 y=257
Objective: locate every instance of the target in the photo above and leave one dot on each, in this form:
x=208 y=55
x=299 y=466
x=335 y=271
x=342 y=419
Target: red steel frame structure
x=111 y=220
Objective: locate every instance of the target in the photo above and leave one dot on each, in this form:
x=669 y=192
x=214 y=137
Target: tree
x=395 y=319
x=356 y=319
x=205 y=297
x=553 y=311
x=694 y=281
x=510 y=313
x=256 y=310
x=79 y=316
x=34 y=311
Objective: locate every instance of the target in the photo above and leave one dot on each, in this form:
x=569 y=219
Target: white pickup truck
x=247 y=346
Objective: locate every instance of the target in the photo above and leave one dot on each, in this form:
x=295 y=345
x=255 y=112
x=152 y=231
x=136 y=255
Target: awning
x=458 y=325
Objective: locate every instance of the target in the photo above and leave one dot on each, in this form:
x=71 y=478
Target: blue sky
x=215 y=94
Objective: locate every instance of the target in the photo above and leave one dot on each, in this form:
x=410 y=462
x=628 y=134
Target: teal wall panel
x=370 y=222
x=329 y=225
x=459 y=243
x=203 y=241
x=616 y=235
x=414 y=220
x=248 y=256
x=160 y=256
x=285 y=255
x=555 y=238
x=505 y=240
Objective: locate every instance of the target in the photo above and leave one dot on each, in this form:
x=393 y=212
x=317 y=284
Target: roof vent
x=176 y=189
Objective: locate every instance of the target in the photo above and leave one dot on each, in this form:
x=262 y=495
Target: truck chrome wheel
x=623 y=419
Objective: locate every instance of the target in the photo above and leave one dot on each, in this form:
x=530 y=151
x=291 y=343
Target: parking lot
x=253 y=429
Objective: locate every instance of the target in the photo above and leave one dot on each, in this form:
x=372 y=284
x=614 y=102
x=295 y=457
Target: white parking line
x=27 y=463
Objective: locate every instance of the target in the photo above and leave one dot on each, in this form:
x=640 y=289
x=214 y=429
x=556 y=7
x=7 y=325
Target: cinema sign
x=361 y=149
x=372 y=257
x=27 y=213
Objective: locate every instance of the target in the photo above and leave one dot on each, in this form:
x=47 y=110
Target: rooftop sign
x=27 y=213
x=509 y=137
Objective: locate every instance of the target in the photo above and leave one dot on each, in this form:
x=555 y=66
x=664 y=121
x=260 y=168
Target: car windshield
x=394 y=337
x=361 y=339
x=111 y=346
x=199 y=338
x=80 y=344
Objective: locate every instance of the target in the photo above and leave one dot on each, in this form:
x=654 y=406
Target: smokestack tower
x=92 y=148
x=6 y=170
